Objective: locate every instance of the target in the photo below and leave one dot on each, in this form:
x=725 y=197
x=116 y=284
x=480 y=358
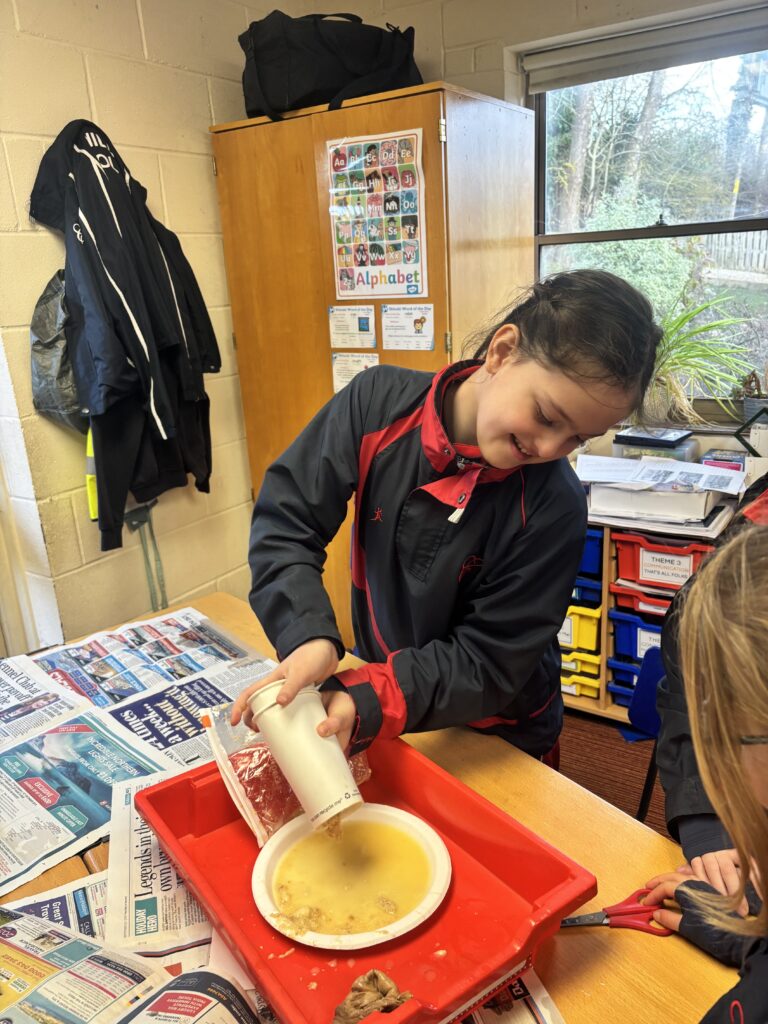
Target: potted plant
x=694 y=360
x=750 y=390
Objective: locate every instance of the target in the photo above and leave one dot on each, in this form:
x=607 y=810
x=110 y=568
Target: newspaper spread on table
x=30 y=699
x=56 y=791
x=57 y=768
x=80 y=905
x=52 y=975
x=168 y=717
x=149 y=908
x=192 y=997
x=107 y=667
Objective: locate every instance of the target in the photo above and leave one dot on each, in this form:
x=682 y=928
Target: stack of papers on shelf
x=661 y=495
x=707 y=529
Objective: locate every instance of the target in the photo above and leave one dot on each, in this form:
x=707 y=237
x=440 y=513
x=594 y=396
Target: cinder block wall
x=155 y=74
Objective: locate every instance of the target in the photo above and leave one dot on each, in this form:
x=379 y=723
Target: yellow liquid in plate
x=368 y=878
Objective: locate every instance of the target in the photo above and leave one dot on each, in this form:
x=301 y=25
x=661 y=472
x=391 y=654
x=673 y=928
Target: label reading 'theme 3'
x=668 y=568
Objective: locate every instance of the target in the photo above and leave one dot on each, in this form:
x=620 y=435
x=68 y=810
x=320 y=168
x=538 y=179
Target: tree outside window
x=662 y=178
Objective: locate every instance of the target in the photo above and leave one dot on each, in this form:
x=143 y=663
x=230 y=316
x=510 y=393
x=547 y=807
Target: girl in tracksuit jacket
x=723 y=634
x=469 y=522
x=689 y=813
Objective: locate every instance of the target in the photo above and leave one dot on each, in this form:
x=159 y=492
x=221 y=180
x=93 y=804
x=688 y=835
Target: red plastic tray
x=509 y=891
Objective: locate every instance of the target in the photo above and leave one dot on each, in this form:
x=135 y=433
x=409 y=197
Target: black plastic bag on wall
x=302 y=62
x=53 y=384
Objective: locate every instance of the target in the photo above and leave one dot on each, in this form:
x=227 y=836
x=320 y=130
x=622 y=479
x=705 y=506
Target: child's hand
x=663 y=888
x=721 y=869
x=342 y=714
x=311 y=663
x=689 y=919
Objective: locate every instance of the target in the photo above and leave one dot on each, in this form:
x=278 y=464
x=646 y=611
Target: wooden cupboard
x=273 y=185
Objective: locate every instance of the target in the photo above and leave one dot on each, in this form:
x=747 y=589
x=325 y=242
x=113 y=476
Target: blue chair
x=644 y=718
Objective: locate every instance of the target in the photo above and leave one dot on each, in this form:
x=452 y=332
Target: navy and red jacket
x=461 y=573
x=138 y=333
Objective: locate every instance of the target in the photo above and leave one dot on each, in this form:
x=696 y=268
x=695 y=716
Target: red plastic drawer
x=647 y=560
x=637 y=601
x=509 y=891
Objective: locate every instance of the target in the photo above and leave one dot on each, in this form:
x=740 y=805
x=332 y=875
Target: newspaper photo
x=168 y=718
x=51 y=975
x=108 y=667
x=80 y=905
x=149 y=908
x=29 y=700
x=56 y=792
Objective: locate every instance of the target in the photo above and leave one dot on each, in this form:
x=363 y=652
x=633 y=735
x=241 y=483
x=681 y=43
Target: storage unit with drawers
x=626 y=582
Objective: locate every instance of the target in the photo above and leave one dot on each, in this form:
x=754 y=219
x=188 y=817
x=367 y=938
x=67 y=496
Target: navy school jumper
x=461 y=573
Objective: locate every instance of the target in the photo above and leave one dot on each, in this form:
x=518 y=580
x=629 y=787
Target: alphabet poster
x=377 y=215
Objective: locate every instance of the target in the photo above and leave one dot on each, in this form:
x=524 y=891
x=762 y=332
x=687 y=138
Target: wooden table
x=68 y=871
x=593 y=974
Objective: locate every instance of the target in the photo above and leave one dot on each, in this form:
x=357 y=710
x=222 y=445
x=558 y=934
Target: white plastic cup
x=315 y=766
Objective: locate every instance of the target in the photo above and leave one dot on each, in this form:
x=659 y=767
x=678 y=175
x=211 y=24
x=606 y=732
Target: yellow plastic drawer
x=580 y=663
x=579 y=686
x=580 y=628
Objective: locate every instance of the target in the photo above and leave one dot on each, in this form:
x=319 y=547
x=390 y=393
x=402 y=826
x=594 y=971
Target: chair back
x=642 y=712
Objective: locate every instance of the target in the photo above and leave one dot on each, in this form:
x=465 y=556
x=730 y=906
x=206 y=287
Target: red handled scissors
x=630 y=913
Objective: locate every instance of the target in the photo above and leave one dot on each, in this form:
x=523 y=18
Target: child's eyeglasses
x=752 y=741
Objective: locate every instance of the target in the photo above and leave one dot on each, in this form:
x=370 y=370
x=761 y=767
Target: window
x=662 y=178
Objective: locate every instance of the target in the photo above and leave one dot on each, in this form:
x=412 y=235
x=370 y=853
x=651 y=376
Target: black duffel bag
x=302 y=62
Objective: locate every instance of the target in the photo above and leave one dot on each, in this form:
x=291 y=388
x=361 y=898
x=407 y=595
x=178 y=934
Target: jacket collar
x=442 y=453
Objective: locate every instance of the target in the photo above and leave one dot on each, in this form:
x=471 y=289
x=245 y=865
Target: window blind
x=649 y=49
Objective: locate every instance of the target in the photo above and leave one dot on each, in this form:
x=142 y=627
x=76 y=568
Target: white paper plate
x=284 y=839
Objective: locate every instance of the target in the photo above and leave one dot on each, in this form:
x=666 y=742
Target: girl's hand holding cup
x=310 y=664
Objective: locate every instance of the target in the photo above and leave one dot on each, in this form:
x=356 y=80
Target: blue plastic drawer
x=632 y=635
x=624 y=672
x=587 y=591
x=621 y=694
x=592 y=556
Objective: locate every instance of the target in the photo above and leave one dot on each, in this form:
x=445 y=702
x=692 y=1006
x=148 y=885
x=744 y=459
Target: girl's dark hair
x=589 y=324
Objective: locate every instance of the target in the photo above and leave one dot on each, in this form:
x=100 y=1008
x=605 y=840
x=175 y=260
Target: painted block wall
x=155 y=74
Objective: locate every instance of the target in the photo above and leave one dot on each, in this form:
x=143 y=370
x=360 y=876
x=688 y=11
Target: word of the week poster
x=352 y=326
x=347 y=365
x=377 y=215
x=408 y=327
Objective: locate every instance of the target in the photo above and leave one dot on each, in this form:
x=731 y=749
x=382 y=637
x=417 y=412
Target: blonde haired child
x=724 y=656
